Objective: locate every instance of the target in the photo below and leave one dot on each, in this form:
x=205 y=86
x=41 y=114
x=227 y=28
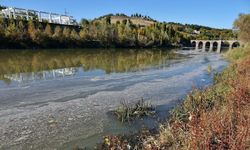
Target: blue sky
x=213 y=13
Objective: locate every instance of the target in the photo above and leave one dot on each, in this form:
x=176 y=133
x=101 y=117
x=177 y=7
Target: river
x=58 y=99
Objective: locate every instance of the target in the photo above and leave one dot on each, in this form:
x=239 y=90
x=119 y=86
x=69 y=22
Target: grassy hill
x=134 y=20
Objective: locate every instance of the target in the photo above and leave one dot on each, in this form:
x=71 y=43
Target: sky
x=212 y=13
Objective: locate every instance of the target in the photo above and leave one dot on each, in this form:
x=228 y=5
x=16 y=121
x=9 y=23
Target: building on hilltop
x=196 y=32
x=15 y=13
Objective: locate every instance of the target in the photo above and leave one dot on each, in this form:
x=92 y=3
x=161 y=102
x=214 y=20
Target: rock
x=79 y=116
x=26 y=132
x=50 y=121
x=22 y=138
x=70 y=119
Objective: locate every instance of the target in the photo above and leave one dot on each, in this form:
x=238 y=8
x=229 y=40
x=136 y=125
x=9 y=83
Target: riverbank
x=217 y=117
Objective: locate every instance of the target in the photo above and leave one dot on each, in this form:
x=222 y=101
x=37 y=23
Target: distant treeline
x=101 y=33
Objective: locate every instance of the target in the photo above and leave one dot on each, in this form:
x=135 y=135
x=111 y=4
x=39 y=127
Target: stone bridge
x=214 y=45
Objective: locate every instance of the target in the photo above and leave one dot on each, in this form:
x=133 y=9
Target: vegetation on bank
x=130 y=111
x=215 y=118
x=103 y=32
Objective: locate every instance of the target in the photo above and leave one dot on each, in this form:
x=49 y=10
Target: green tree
x=108 y=20
x=84 y=23
x=242 y=25
x=11 y=30
x=2 y=26
x=21 y=30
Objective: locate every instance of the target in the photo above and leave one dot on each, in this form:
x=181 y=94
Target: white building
x=196 y=32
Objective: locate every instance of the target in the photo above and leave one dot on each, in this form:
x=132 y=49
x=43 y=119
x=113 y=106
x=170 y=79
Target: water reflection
x=42 y=75
x=29 y=65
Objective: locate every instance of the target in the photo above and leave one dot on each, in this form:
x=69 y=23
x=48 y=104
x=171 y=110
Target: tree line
x=97 y=33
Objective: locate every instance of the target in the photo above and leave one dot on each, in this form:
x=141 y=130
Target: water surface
x=56 y=99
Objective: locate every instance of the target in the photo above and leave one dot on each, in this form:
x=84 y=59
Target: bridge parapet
x=12 y=12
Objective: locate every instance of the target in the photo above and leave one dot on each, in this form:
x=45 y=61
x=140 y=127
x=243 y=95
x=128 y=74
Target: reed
x=130 y=111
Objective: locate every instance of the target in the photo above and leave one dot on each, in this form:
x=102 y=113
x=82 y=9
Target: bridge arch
x=207 y=46
x=200 y=44
x=235 y=44
x=225 y=46
x=215 y=46
x=193 y=44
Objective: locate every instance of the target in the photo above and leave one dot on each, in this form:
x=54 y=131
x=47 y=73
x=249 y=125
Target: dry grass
x=216 y=118
x=136 y=21
x=238 y=53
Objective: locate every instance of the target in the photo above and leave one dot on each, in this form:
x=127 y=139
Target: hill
x=136 y=19
x=196 y=31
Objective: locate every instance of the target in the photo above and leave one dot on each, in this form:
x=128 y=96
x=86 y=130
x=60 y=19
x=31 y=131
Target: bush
x=129 y=111
x=238 y=53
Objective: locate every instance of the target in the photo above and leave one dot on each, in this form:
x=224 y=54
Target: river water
x=59 y=99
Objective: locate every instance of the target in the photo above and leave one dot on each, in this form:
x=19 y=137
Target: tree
x=48 y=31
x=2 y=7
x=108 y=20
x=74 y=35
x=66 y=32
x=11 y=31
x=21 y=30
x=242 y=25
x=32 y=30
x=2 y=32
x=84 y=34
x=2 y=26
x=124 y=21
x=57 y=33
x=84 y=23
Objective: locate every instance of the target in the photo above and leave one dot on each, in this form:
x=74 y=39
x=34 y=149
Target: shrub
x=129 y=111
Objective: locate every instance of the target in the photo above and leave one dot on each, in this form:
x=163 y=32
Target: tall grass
x=209 y=69
x=238 y=53
x=217 y=117
x=130 y=111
